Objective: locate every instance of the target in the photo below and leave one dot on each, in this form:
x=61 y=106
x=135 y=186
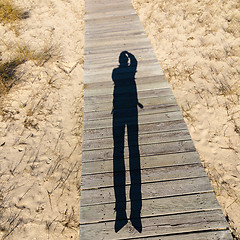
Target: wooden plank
x=112 y=56
x=141 y=95
x=148 y=109
x=158 y=174
x=94 y=106
x=173 y=227
x=145 y=150
x=159 y=137
x=143 y=128
x=109 y=14
x=113 y=35
x=103 y=75
x=154 y=161
x=112 y=42
x=152 y=207
x=157 y=190
x=139 y=81
x=99 y=28
x=199 y=235
x=142 y=87
x=144 y=119
x=106 y=66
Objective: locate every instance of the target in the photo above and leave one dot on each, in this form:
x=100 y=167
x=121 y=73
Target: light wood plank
x=148 y=109
x=173 y=227
x=157 y=190
x=148 y=175
x=145 y=150
x=144 y=119
x=159 y=137
x=152 y=207
x=177 y=159
x=143 y=128
x=106 y=106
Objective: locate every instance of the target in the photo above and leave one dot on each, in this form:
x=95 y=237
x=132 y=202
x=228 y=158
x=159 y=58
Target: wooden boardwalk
x=177 y=199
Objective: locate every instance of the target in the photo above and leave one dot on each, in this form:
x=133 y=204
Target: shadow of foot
x=121 y=220
x=135 y=219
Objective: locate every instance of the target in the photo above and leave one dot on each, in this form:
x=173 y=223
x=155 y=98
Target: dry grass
x=9 y=13
x=8 y=76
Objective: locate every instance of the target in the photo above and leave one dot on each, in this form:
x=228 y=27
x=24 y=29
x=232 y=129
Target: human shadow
x=125 y=113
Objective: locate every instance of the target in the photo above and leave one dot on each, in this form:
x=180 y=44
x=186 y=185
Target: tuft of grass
x=22 y=54
x=8 y=74
x=38 y=58
x=9 y=13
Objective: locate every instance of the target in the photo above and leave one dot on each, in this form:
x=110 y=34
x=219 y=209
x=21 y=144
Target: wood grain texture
x=178 y=201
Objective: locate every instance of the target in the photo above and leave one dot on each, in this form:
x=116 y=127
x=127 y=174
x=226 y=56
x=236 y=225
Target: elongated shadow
x=125 y=114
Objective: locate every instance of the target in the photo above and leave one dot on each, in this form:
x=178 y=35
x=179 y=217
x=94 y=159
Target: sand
x=41 y=125
x=197 y=45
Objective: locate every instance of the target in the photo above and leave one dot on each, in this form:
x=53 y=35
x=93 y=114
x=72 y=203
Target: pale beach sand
x=197 y=45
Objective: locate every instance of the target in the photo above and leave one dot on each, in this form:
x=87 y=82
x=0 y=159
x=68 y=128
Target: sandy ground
x=41 y=125
x=197 y=44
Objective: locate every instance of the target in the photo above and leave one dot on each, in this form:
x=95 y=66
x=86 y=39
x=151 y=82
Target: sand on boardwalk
x=41 y=124
x=197 y=44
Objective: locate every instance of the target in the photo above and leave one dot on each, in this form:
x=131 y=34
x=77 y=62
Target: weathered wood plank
x=188 y=226
x=109 y=90
x=105 y=65
x=154 y=161
x=93 y=106
x=159 y=137
x=103 y=75
x=141 y=95
x=145 y=150
x=158 y=174
x=152 y=207
x=143 y=128
x=112 y=42
x=143 y=119
x=113 y=35
x=199 y=235
x=150 y=190
x=151 y=75
x=109 y=14
x=148 y=109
